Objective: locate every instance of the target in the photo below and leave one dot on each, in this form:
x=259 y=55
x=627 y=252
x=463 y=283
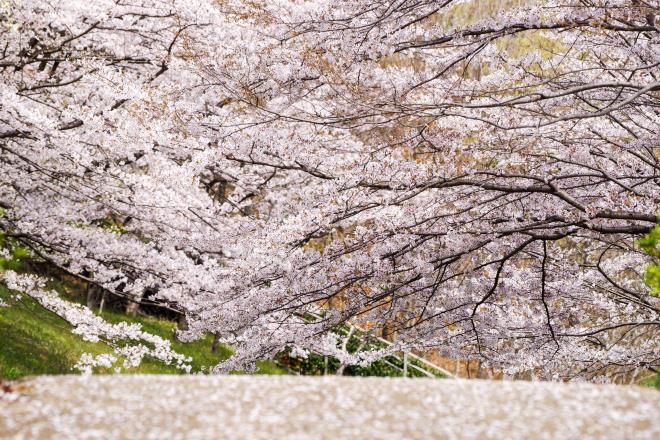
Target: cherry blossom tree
x=459 y=177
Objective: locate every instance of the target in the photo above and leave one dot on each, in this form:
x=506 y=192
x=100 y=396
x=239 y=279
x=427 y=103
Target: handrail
x=404 y=358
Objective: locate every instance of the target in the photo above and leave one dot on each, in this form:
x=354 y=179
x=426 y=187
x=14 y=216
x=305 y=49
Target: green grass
x=653 y=381
x=35 y=341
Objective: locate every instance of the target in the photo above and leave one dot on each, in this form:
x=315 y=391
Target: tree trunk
x=216 y=343
x=92 y=295
x=133 y=305
x=181 y=325
x=102 y=303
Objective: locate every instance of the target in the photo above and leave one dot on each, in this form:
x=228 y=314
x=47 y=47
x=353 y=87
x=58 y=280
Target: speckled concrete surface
x=290 y=407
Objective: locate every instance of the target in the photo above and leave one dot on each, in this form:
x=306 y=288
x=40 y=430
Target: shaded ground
x=290 y=407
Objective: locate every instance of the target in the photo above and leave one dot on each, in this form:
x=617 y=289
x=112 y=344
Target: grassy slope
x=35 y=341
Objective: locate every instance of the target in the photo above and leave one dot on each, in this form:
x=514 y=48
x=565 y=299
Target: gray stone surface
x=294 y=407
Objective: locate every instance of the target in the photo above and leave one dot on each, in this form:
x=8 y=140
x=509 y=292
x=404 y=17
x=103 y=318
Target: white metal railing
x=405 y=358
